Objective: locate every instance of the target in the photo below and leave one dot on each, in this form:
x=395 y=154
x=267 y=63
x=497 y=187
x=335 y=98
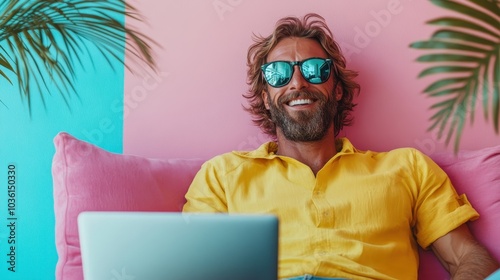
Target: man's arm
x=206 y=194
x=463 y=256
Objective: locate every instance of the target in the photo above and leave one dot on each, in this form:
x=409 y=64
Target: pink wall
x=193 y=107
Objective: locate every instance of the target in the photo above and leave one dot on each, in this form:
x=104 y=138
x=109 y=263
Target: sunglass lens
x=316 y=70
x=278 y=73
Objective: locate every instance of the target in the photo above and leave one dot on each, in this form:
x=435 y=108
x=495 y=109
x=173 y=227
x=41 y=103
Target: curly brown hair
x=311 y=26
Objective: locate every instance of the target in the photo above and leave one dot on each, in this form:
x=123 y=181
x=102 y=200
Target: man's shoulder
x=347 y=147
x=234 y=159
x=401 y=154
x=411 y=157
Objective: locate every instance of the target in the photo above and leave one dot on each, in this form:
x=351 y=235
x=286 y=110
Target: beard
x=306 y=126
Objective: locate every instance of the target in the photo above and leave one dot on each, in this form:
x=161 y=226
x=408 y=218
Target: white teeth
x=300 y=102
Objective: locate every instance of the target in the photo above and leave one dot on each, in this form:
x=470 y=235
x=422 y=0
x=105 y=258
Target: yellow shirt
x=360 y=216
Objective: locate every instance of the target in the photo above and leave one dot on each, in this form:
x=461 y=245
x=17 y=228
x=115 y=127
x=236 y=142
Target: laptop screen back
x=146 y=245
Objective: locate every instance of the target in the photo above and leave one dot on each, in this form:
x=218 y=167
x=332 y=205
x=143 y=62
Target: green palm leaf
x=461 y=23
x=445 y=69
x=465 y=55
x=43 y=41
x=443 y=83
x=472 y=10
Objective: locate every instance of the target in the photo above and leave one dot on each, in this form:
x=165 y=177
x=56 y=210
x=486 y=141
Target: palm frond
x=43 y=41
x=461 y=23
x=471 y=10
x=462 y=52
x=5 y=64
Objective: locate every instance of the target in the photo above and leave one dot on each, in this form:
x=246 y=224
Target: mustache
x=302 y=94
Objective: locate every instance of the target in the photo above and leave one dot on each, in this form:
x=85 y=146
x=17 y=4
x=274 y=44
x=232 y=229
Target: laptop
x=179 y=246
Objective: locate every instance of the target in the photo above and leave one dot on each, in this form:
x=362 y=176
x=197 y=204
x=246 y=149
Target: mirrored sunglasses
x=315 y=70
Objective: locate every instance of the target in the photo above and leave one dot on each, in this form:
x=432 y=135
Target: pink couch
x=89 y=178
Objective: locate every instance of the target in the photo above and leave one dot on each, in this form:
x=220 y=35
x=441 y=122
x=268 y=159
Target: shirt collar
x=268 y=150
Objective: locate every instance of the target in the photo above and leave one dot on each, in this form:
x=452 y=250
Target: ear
x=338 y=95
x=338 y=92
x=265 y=98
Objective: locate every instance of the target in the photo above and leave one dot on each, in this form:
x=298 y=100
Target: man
x=343 y=212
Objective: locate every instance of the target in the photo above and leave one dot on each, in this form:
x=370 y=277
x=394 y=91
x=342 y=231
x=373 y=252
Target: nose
x=297 y=81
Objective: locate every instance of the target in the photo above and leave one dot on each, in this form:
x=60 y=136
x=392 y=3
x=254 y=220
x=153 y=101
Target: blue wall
x=27 y=143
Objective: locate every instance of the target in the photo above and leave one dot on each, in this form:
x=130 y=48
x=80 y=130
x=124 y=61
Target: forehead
x=296 y=49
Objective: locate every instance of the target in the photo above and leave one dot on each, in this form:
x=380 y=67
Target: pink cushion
x=86 y=177
x=477 y=174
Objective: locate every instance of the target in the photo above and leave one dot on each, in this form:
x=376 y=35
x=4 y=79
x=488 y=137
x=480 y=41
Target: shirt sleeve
x=439 y=209
x=206 y=193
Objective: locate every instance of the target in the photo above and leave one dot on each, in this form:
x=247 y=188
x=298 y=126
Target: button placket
x=323 y=208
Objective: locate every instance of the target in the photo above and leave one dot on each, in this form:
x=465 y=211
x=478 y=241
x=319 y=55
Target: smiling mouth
x=298 y=102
